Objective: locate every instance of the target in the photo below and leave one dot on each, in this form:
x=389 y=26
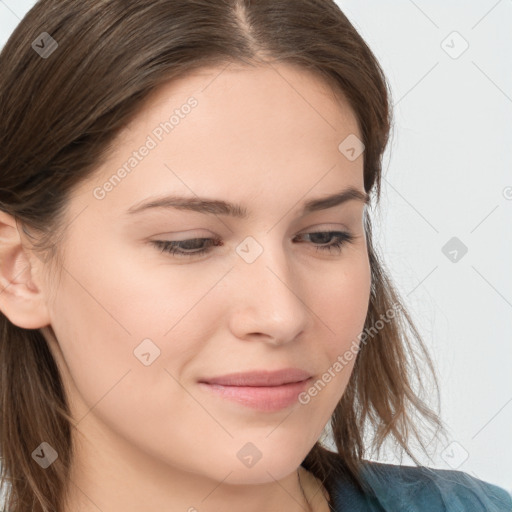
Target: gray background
x=448 y=173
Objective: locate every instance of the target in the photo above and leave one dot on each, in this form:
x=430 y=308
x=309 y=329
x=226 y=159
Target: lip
x=260 y=378
x=261 y=390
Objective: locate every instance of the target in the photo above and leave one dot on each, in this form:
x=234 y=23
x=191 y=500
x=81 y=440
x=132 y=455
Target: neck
x=314 y=492
x=116 y=479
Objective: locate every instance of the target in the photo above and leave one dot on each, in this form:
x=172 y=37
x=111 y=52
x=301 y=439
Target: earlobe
x=22 y=299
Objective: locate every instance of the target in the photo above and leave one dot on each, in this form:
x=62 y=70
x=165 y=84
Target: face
x=136 y=327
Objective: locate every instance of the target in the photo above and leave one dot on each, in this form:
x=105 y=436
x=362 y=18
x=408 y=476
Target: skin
x=147 y=437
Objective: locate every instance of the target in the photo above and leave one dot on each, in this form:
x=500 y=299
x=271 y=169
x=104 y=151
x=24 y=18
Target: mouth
x=261 y=390
x=260 y=377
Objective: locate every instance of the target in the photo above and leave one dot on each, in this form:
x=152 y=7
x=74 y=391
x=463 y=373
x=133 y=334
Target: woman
x=190 y=291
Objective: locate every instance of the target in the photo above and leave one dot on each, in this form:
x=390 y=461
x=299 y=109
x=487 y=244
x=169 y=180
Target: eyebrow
x=219 y=207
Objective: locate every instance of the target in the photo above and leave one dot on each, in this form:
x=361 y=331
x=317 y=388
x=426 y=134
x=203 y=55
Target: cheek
x=344 y=302
x=342 y=308
x=109 y=385
x=101 y=313
x=111 y=319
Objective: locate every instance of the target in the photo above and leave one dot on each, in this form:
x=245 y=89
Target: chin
x=262 y=472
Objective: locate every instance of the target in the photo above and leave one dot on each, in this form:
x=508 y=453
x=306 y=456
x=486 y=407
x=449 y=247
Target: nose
x=269 y=297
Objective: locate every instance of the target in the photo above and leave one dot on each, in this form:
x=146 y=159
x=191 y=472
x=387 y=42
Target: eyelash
x=168 y=246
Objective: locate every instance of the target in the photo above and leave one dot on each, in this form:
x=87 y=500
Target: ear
x=22 y=298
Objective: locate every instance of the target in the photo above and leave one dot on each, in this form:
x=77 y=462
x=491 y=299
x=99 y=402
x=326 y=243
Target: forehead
x=236 y=95
x=258 y=130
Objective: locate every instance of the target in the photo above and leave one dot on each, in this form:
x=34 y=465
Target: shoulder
x=422 y=488
x=394 y=488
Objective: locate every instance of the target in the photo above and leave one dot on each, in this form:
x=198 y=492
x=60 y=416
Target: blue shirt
x=415 y=489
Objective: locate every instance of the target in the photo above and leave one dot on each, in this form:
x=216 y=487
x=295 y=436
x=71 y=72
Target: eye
x=196 y=246
x=340 y=239
x=187 y=248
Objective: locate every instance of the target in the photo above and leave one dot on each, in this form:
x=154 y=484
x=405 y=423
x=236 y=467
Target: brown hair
x=59 y=117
